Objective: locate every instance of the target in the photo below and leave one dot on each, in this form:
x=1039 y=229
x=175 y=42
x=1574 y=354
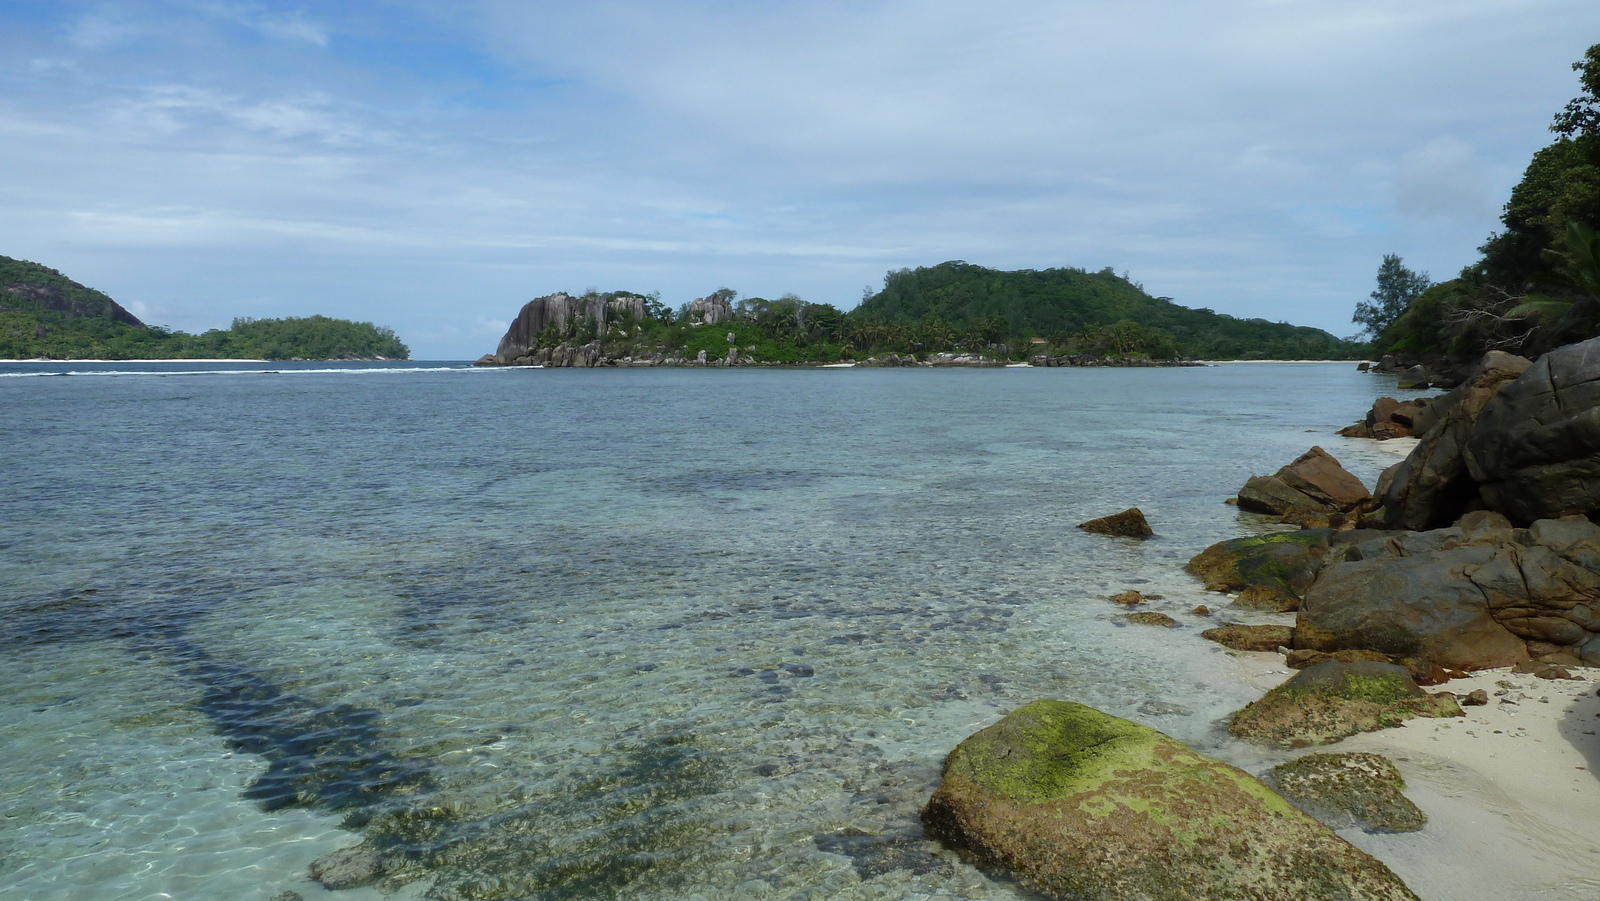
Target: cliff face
x=562 y=311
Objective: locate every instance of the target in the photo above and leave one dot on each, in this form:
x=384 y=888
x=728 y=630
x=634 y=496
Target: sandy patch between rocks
x=1510 y=790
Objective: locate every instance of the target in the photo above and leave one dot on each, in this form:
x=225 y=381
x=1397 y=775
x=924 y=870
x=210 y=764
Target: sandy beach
x=1510 y=790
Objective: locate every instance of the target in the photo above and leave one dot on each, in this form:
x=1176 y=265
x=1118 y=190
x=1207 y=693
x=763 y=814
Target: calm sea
x=586 y=634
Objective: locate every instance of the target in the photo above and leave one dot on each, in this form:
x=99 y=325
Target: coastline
x=1510 y=790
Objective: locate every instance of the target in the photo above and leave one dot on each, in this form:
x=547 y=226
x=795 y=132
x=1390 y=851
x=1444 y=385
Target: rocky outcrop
x=1431 y=487
x=1091 y=360
x=1355 y=789
x=710 y=310
x=1130 y=523
x=971 y=361
x=1313 y=483
x=1480 y=594
x=1270 y=572
x=561 y=312
x=1083 y=805
x=1534 y=452
x=889 y=360
x=1389 y=418
x=1329 y=701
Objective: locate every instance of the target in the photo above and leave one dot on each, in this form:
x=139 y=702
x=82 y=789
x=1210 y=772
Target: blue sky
x=431 y=166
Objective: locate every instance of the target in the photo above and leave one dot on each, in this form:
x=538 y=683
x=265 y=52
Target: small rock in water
x=1201 y=610
x=1130 y=523
x=1151 y=618
x=1129 y=598
x=288 y=896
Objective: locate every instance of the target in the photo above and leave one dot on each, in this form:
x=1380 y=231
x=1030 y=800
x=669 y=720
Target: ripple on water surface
x=585 y=635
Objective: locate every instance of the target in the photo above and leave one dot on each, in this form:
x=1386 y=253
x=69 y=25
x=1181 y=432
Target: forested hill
x=1064 y=304
x=45 y=314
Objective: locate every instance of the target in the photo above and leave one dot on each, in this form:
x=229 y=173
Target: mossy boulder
x=1326 y=702
x=1355 y=789
x=1241 y=637
x=1270 y=572
x=1080 y=804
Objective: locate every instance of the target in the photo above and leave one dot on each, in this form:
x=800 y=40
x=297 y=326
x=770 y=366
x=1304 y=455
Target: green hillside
x=45 y=314
x=1077 y=310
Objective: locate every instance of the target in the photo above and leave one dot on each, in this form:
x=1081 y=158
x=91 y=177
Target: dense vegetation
x=1537 y=284
x=961 y=308
x=1087 y=312
x=45 y=314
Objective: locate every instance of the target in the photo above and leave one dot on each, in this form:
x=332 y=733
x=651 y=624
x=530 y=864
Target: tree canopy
x=45 y=314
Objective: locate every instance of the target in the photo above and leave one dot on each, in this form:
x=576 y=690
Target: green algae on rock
x=1354 y=789
x=1241 y=637
x=1080 y=804
x=1150 y=618
x=1326 y=702
x=1271 y=572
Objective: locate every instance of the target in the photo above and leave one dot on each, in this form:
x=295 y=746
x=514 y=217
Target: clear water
x=586 y=634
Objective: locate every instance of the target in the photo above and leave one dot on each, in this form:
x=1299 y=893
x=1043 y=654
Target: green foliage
x=1397 y=288
x=1068 y=305
x=45 y=314
x=1527 y=293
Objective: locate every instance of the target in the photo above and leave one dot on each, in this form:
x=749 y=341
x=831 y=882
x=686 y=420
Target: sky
x=431 y=166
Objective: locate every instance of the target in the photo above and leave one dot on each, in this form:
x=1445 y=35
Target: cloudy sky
x=432 y=165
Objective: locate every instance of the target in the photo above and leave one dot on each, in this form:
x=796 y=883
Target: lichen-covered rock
x=1271 y=572
x=1355 y=789
x=1083 y=805
x=1324 y=703
x=1130 y=523
x=1241 y=637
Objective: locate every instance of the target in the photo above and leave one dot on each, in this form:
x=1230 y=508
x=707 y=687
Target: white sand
x=1511 y=792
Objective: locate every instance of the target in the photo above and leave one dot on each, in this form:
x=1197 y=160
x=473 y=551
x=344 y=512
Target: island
x=45 y=315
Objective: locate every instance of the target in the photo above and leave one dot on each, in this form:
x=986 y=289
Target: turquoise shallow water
x=585 y=634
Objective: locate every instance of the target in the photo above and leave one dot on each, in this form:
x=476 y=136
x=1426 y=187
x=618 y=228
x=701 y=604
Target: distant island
x=45 y=315
x=955 y=311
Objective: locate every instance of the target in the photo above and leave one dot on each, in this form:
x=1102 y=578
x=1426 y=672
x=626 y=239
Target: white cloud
x=1230 y=155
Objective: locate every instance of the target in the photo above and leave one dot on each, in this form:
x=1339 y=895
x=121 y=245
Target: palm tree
x=1575 y=269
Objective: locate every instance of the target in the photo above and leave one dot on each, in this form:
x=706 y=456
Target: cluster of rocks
x=1390 y=418
x=1409 y=373
x=1479 y=550
x=593 y=355
x=1092 y=360
x=1083 y=805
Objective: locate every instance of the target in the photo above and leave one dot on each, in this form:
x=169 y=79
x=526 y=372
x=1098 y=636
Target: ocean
x=688 y=634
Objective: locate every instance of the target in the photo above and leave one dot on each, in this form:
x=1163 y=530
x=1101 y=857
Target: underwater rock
x=1324 y=703
x=1082 y=805
x=1354 y=789
x=350 y=867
